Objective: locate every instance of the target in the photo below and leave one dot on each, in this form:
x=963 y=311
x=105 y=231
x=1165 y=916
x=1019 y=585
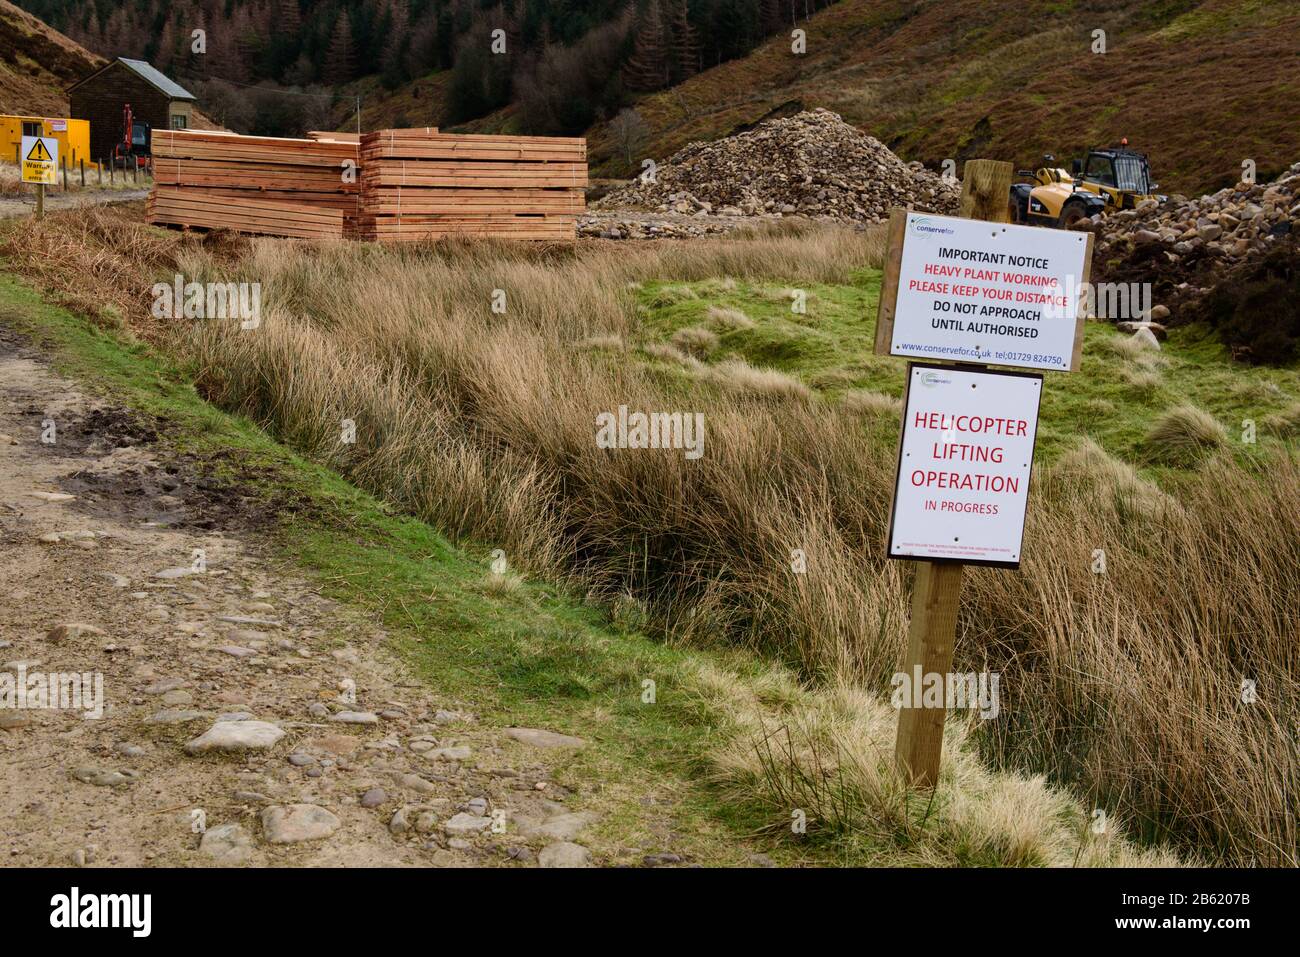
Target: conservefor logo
x=927 y=226
x=932 y=379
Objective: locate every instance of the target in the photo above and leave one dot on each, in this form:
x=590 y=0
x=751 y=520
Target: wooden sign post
x=936 y=591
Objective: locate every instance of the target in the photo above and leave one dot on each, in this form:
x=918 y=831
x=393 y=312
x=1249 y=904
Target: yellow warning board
x=40 y=159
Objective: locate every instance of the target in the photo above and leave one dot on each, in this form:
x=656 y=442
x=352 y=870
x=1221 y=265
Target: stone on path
x=236 y=736
x=101 y=778
x=71 y=629
x=564 y=854
x=416 y=783
x=539 y=738
x=464 y=823
x=182 y=572
x=561 y=827
x=294 y=823
x=356 y=717
x=175 y=716
x=460 y=753
x=165 y=685
x=227 y=844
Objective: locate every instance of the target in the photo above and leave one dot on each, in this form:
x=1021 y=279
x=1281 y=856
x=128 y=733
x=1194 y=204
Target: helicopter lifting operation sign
x=973 y=291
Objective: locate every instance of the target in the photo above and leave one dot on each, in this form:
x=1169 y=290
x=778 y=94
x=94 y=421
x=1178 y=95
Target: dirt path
x=25 y=204
x=98 y=561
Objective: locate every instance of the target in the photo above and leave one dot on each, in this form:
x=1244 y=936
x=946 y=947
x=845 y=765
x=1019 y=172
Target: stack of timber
x=255 y=184
x=421 y=184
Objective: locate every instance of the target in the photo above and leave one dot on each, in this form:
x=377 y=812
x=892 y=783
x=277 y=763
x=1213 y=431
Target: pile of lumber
x=421 y=184
x=405 y=185
x=256 y=184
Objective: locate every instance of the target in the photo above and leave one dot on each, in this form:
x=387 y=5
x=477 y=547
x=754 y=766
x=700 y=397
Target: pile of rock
x=633 y=224
x=812 y=164
x=1185 y=246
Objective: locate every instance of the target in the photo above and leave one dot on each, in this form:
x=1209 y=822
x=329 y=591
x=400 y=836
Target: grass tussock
x=500 y=584
x=728 y=319
x=610 y=343
x=696 y=341
x=828 y=760
x=1144 y=382
x=739 y=376
x=1285 y=424
x=667 y=352
x=1184 y=434
x=872 y=404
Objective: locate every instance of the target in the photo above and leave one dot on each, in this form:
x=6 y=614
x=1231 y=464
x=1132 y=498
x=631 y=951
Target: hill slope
x=37 y=63
x=1200 y=86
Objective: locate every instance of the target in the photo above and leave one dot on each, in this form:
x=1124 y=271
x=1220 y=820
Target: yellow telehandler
x=1110 y=179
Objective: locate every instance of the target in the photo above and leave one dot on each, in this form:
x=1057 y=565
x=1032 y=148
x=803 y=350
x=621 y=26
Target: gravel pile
x=812 y=164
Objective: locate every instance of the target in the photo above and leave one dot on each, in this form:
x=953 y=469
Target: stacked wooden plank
x=273 y=186
x=422 y=184
x=336 y=137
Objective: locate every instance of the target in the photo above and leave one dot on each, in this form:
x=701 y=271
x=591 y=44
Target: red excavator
x=134 y=142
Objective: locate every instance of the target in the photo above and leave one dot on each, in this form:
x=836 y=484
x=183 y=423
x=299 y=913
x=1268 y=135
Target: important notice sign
x=964 y=464
x=40 y=159
x=966 y=290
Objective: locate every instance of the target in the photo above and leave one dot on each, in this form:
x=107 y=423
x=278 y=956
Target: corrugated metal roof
x=158 y=79
x=148 y=74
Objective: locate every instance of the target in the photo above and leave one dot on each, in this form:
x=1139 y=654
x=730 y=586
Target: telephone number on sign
x=1027 y=357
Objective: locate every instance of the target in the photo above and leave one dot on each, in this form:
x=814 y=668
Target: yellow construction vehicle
x=1110 y=179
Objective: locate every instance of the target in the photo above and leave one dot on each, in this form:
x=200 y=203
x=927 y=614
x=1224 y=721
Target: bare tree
x=629 y=132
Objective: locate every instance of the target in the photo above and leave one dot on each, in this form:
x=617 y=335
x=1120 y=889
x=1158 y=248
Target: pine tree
x=167 y=43
x=288 y=17
x=647 y=68
x=422 y=52
x=340 y=59
x=685 y=62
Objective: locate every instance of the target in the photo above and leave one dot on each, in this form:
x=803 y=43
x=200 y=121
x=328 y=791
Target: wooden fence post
x=936 y=591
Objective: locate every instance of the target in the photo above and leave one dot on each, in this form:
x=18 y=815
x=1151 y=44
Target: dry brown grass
x=872 y=404
x=101 y=261
x=728 y=319
x=696 y=341
x=829 y=757
x=1184 y=434
x=1124 y=686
